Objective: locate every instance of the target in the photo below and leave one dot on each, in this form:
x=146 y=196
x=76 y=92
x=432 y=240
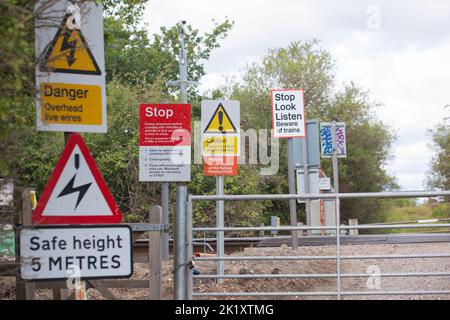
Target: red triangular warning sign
x=76 y=192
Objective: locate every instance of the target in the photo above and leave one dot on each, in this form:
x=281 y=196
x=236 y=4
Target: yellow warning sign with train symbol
x=220 y=127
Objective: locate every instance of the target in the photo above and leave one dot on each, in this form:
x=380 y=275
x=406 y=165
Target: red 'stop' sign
x=164 y=125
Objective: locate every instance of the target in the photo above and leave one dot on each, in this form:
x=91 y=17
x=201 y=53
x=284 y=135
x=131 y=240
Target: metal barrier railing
x=183 y=246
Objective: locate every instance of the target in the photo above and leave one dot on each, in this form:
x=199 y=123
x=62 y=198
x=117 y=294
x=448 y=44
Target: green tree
x=369 y=144
x=439 y=174
x=134 y=78
x=16 y=65
x=17 y=62
x=131 y=53
x=306 y=65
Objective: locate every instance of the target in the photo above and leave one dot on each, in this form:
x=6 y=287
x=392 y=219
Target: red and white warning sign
x=165 y=142
x=76 y=192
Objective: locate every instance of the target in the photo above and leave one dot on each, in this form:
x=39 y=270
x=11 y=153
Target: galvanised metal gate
x=184 y=237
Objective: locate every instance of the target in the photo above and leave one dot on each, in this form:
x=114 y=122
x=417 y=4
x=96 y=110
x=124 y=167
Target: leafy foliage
x=138 y=66
x=439 y=175
x=16 y=65
x=306 y=65
x=130 y=50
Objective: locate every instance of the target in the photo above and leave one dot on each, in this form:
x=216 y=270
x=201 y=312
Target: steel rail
x=289 y=228
x=262 y=197
x=320 y=293
x=352 y=257
x=322 y=275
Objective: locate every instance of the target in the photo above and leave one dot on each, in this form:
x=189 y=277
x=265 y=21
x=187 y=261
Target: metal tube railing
x=337 y=257
x=288 y=228
x=381 y=237
x=332 y=293
x=353 y=257
x=322 y=275
x=360 y=195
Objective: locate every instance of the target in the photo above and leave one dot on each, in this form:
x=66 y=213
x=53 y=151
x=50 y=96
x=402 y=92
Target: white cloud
x=403 y=63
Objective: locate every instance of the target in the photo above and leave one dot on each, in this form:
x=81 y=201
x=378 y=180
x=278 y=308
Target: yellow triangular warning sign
x=220 y=122
x=69 y=52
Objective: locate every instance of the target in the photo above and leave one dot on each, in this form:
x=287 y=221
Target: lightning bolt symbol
x=68 y=189
x=72 y=45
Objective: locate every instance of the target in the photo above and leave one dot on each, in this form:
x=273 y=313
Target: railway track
x=233 y=245
x=141 y=249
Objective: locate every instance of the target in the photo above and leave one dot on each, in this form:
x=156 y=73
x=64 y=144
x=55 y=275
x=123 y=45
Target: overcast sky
x=398 y=50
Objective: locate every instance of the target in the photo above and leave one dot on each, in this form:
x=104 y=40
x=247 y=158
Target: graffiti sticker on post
x=326 y=140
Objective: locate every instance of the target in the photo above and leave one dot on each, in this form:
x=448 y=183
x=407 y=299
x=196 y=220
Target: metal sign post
x=291 y=180
x=336 y=190
x=179 y=244
x=165 y=219
x=220 y=149
x=220 y=222
x=307 y=157
x=288 y=122
x=335 y=158
x=306 y=184
x=182 y=84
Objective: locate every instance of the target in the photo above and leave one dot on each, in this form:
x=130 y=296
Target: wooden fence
x=26 y=290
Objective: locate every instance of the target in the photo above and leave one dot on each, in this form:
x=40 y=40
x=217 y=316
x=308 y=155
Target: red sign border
x=38 y=218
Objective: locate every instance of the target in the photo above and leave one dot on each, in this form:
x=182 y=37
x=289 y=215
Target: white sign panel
x=288 y=113
x=324 y=183
x=313 y=179
x=6 y=192
x=70 y=73
x=78 y=252
x=81 y=200
x=220 y=127
x=326 y=141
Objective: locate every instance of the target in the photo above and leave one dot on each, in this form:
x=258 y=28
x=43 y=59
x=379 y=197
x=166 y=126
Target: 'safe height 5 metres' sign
x=165 y=142
x=288 y=113
x=76 y=252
